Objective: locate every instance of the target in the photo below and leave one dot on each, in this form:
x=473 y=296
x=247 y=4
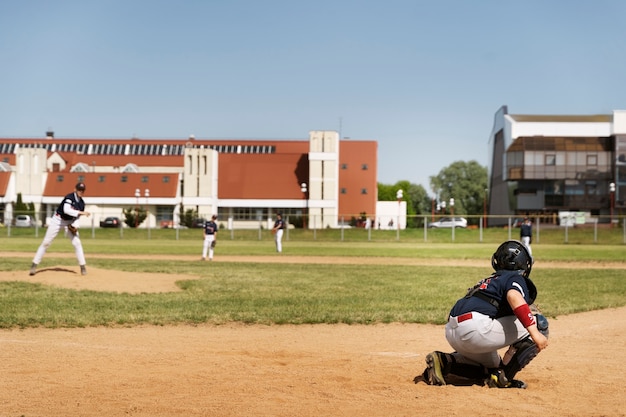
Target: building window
x=101 y=178
x=550 y=159
x=363 y=190
x=60 y=178
x=592 y=160
x=166 y=179
x=124 y=178
x=144 y=178
x=344 y=191
x=364 y=167
x=344 y=166
x=81 y=178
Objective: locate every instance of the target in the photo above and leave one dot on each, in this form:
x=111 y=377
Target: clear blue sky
x=423 y=78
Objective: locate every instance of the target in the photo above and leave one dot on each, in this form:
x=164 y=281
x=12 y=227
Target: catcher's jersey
x=494 y=288
x=75 y=202
x=210 y=228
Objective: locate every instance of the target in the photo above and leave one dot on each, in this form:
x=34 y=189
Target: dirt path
x=322 y=370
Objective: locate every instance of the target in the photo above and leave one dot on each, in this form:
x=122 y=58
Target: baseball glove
x=213 y=244
x=73 y=230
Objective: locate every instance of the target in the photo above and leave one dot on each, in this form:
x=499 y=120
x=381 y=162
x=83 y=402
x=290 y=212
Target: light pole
x=137 y=195
x=443 y=208
x=304 y=190
x=485 y=208
x=452 y=214
x=612 y=191
x=399 y=195
x=147 y=195
x=452 y=208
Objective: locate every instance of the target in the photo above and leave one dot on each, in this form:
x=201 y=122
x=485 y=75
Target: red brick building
x=243 y=181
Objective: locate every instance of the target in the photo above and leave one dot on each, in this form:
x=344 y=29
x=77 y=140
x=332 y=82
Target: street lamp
x=443 y=207
x=137 y=195
x=612 y=191
x=304 y=189
x=452 y=214
x=485 y=208
x=399 y=195
x=452 y=210
x=147 y=195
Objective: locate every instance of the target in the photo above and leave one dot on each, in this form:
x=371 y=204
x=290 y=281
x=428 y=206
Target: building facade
x=543 y=165
x=322 y=180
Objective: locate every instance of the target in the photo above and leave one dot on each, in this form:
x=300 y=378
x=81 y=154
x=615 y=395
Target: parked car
x=110 y=222
x=449 y=222
x=24 y=220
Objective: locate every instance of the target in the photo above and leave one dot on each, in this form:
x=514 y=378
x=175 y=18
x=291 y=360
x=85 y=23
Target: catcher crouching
x=499 y=311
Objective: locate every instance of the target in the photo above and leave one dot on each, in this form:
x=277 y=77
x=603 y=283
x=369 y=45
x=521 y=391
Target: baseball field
x=153 y=331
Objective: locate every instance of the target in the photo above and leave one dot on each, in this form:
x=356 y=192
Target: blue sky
x=423 y=78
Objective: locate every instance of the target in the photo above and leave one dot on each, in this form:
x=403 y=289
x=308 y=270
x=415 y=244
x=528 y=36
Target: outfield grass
x=278 y=293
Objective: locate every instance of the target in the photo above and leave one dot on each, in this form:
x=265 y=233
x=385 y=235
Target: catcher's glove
x=73 y=230
x=213 y=244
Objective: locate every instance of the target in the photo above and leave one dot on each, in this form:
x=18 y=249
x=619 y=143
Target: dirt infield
x=321 y=370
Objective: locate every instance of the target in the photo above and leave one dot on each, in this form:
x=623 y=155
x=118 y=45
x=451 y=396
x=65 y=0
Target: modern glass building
x=543 y=165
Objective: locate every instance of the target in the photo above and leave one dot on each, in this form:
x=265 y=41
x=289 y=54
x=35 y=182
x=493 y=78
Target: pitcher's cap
x=80 y=186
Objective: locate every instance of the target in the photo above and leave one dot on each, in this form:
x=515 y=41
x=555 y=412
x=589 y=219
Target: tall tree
x=465 y=182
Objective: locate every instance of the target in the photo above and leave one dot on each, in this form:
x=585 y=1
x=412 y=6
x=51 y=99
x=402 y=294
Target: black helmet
x=80 y=186
x=512 y=255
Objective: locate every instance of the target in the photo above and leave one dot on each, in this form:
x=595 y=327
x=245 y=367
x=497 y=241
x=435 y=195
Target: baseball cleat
x=33 y=269
x=498 y=380
x=433 y=374
x=83 y=270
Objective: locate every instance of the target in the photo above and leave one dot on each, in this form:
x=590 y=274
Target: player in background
x=66 y=217
x=526 y=234
x=278 y=230
x=497 y=312
x=210 y=238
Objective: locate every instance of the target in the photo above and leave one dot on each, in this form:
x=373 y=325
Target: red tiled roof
x=252 y=176
x=122 y=160
x=111 y=184
x=4 y=182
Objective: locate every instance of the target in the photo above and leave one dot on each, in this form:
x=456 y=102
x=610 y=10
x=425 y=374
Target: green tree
x=133 y=217
x=465 y=182
x=188 y=216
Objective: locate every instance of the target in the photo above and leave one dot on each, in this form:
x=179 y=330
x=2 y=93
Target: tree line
x=466 y=182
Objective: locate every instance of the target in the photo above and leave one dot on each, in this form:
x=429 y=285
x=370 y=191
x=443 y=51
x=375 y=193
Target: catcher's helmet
x=512 y=255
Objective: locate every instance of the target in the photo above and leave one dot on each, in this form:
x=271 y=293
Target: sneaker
x=433 y=374
x=33 y=269
x=83 y=270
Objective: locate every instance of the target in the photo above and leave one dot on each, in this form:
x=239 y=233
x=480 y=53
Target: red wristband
x=524 y=315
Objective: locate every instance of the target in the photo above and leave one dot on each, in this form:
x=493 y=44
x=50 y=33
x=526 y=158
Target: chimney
x=49 y=134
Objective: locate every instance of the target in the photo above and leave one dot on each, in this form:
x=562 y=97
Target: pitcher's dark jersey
x=75 y=202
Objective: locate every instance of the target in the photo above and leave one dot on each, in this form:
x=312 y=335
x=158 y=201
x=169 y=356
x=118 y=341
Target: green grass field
x=278 y=293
